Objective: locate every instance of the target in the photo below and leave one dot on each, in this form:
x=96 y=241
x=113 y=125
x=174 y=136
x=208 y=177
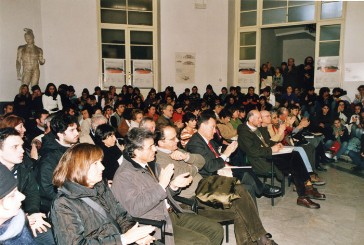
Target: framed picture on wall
x=114 y=73
x=142 y=73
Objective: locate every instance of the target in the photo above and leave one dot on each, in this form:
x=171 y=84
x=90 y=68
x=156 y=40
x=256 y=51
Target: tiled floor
x=340 y=220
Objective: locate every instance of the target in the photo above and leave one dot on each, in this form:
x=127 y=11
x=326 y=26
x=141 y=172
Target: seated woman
x=190 y=122
x=277 y=134
x=77 y=212
x=136 y=118
x=226 y=128
x=31 y=148
x=105 y=138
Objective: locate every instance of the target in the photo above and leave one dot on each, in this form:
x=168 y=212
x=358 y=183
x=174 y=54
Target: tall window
x=128 y=42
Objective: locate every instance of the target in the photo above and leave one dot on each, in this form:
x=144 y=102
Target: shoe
x=314 y=194
x=306 y=202
x=264 y=240
x=269 y=190
x=320 y=168
x=315 y=180
x=327 y=160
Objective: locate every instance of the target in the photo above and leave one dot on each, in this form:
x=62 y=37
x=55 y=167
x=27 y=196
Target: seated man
x=12 y=156
x=145 y=194
x=255 y=142
x=12 y=218
x=204 y=143
x=166 y=118
x=248 y=226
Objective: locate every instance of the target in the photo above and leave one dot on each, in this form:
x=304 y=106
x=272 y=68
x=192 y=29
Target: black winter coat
x=75 y=222
x=51 y=153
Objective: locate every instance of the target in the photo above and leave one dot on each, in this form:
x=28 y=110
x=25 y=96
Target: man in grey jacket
x=144 y=193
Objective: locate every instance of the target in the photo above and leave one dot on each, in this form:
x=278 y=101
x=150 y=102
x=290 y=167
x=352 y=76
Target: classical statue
x=29 y=57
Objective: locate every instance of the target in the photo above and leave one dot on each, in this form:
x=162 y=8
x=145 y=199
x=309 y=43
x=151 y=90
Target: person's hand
x=146 y=240
x=322 y=125
x=137 y=233
x=178 y=155
x=304 y=123
x=166 y=175
x=179 y=124
x=276 y=148
x=291 y=120
x=282 y=128
x=37 y=223
x=230 y=148
x=181 y=181
x=34 y=152
x=362 y=154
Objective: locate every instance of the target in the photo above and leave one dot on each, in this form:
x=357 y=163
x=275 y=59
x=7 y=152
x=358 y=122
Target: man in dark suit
x=247 y=224
x=255 y=142
x=166 y=118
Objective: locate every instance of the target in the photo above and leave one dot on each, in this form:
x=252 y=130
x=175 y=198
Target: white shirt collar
x=164 y=150
x=251 y=127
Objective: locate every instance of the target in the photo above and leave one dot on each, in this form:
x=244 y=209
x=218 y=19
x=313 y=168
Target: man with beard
x=63 y=135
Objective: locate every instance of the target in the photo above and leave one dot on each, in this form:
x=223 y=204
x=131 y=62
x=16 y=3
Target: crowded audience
x=130 y=155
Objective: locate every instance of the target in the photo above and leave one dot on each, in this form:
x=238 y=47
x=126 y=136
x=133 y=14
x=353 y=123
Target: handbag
x=296 y=139
x=217 y=191
x=335 y=147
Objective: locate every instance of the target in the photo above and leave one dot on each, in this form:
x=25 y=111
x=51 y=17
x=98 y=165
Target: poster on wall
x=185 y=67
x=142 y=73
x=327 y=72
x=114 y=73
x=247 y=73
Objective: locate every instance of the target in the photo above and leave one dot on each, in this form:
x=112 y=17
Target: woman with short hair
x=78 y=212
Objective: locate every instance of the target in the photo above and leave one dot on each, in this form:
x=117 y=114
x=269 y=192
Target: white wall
x=298 y=49
x=15 y=15
x=71 y=43
x=353 y=42
x=203 y=31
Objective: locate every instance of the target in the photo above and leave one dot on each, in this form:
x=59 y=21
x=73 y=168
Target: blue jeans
x=45 y=238
x=357 y=158
x=343 y=146
x=304 y=157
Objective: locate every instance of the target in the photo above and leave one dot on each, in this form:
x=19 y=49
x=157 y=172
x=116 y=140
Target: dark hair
x=323 y=90
x=205 y=116
x=97 y=88
x=8 y=104
x=225 y=113
x=134 y=140
x=280 y=110
x=107 y=107
x=189 y=116
x=71 y=89
x=38 y=114
x=233 y=109
x=35 y=87
x=117 y=104
x=46 y=92
x=61 y=122
x=160 y=134
x=103 y=131
x=5 y=133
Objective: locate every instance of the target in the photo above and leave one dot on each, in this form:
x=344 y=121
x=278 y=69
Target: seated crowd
x=83 y=169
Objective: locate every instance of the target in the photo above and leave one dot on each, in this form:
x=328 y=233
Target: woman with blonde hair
x=22 y=102
x=85 y=210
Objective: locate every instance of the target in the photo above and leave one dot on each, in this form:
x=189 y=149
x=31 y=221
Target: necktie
x=260 y=136
x=213 y=150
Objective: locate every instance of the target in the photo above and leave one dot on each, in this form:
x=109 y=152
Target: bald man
x=255 y=142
